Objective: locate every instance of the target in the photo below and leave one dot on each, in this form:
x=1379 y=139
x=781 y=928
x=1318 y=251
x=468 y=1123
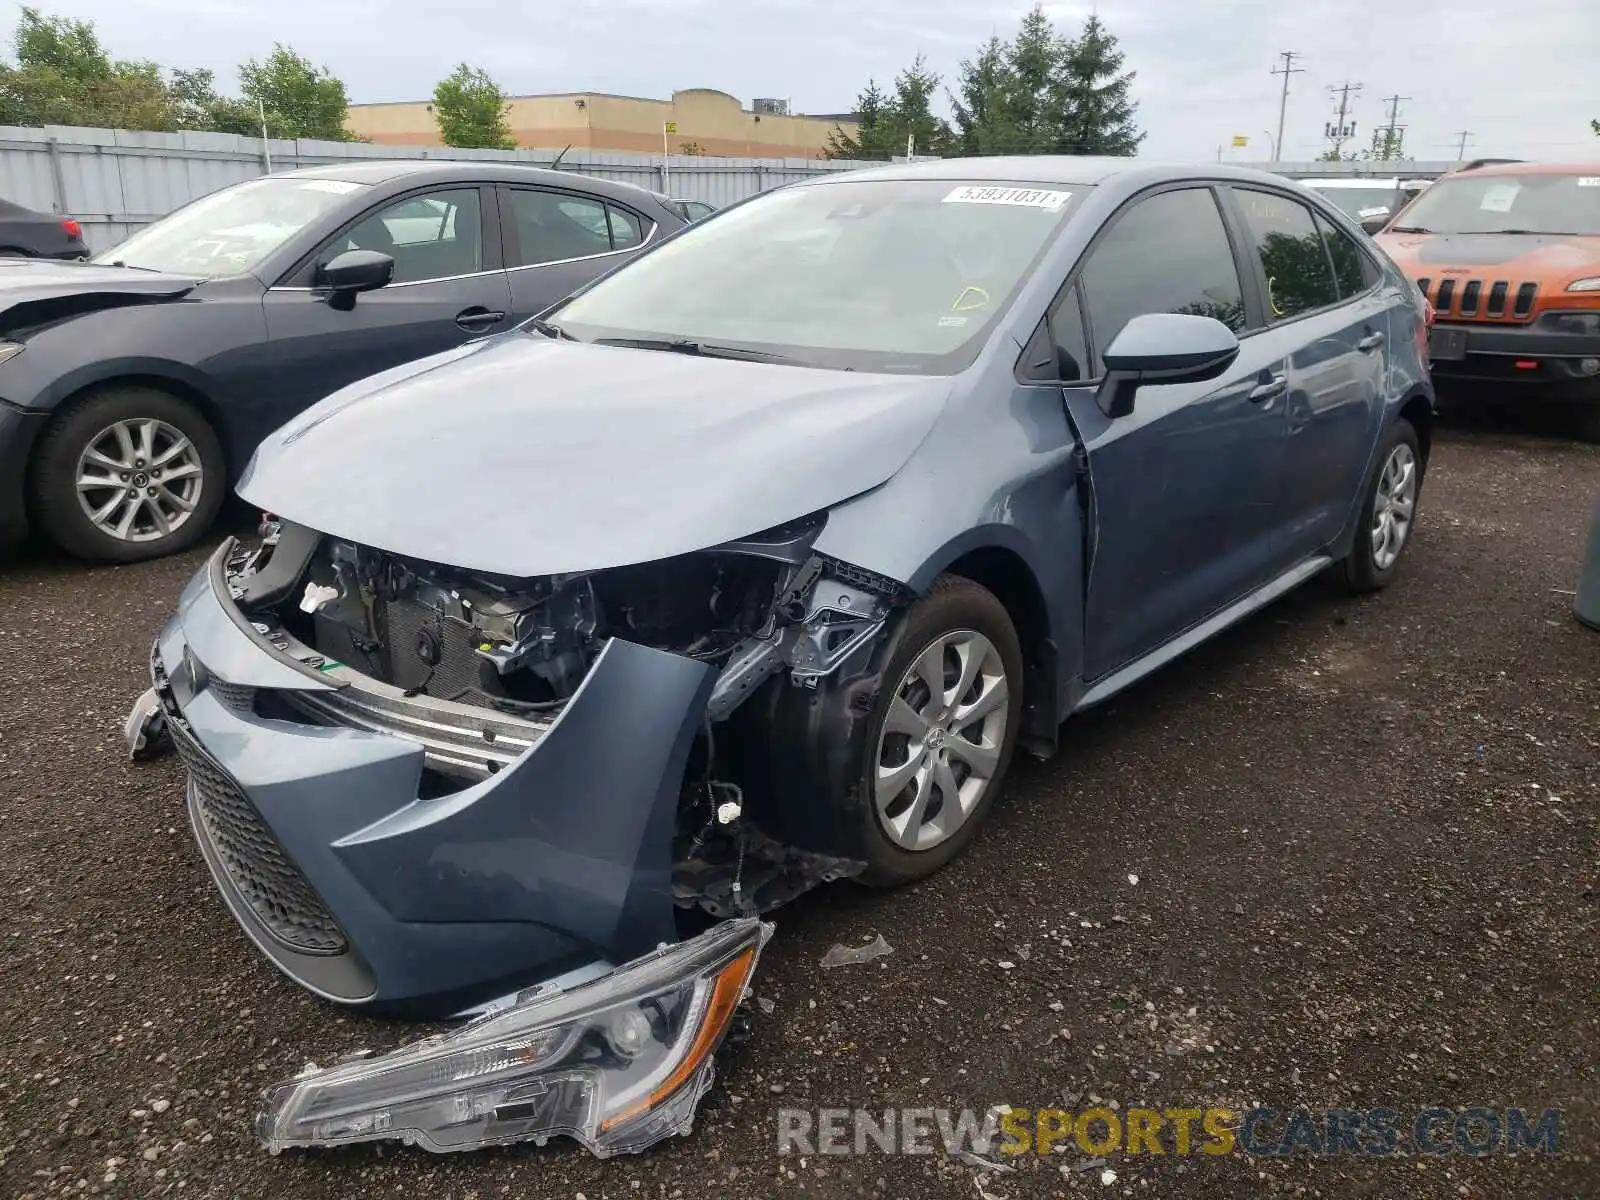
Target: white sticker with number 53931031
x=1045 y=198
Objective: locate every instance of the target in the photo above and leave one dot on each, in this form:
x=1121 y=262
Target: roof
x=382 y=170
x=1533 y=168
x=1347 y=182
x=1052 y=168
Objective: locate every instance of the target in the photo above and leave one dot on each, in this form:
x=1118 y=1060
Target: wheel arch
x=1417 y=408
x=157 y=374
x=997 y=559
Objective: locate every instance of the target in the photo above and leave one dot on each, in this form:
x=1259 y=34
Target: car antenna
x=555 y=163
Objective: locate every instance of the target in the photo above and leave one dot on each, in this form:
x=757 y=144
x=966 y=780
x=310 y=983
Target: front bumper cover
x=365 y=892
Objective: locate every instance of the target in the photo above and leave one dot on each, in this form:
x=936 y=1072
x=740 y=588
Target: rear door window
x=555 y=227
x=1292 y=254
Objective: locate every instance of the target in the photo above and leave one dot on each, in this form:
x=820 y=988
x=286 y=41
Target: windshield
x=877 y=275
x=229 y=232
x=1530 y=203
x=1361 y=203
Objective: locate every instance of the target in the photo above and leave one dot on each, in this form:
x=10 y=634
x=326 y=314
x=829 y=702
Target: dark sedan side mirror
x=355 y=271
x=1163 y=348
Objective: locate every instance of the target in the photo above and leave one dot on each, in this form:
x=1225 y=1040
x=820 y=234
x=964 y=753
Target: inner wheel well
x=1006 y=575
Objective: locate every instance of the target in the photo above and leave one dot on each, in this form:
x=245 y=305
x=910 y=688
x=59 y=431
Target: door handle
x=1274 y=387
x=472 y=319
x=1370 y=343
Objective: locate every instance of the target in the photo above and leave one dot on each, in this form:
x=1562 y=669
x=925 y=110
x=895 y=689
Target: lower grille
x=277 y=893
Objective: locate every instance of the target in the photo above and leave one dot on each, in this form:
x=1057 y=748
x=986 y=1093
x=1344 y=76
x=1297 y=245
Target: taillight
x=74 y=230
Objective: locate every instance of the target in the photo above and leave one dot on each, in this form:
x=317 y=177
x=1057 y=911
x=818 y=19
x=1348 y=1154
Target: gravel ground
x=1364 y=834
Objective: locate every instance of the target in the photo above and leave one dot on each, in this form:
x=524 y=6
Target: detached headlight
x=1592 y=284
x=618 y=1064
x=9 y=350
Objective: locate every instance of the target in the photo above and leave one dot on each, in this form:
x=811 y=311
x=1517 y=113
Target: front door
x=448 y=287
x=1323 y=301
x=1185 y=486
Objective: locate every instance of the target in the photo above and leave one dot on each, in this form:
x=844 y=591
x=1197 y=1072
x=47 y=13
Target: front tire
x=1389 y=512
x=126 y=474
x=941 y=736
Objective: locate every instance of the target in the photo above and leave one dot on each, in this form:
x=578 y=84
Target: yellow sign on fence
x=1239 y=142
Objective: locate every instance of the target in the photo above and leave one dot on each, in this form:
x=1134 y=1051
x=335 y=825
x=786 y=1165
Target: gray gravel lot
x=1367 y=841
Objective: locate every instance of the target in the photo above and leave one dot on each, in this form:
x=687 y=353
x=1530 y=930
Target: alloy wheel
x=941 y=741
x=139 y=480
x=1393 y=506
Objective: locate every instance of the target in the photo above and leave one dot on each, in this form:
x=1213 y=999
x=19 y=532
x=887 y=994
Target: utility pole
x=1461 y=149
x=1389 y=141
x=1337 y=131
x=1286 y=70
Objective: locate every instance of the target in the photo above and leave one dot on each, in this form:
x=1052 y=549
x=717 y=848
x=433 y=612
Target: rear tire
x=126 y=474
x=959 y=630
x=1388 y=513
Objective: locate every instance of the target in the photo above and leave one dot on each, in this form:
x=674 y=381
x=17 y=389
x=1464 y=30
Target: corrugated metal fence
x=114 y=181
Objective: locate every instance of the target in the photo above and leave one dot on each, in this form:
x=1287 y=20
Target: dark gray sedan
x=133 y=388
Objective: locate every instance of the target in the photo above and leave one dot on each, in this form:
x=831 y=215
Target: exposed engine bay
x=476 y=668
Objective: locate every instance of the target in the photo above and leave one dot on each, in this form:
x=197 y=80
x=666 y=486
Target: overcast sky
x=1522 y=75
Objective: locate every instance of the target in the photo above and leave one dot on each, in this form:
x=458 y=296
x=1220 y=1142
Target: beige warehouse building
x=705 y=121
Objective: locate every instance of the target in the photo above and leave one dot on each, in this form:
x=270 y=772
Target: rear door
x=557 y=241
x=449 y=286
x=1326 y=310
x=1185 y=487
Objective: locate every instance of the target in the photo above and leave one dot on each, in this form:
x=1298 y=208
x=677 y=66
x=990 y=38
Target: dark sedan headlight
x=617 y=1064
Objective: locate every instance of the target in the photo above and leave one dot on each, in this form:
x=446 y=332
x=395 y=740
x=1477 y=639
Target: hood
x=33 y=289
x=1551 y=259
x=523 y=456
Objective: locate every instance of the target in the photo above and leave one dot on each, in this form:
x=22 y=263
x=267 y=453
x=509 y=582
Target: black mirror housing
x=1163 y=348
x=355 y=271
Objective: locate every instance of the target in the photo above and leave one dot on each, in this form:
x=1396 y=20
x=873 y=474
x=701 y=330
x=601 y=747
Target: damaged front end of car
x=425 y=789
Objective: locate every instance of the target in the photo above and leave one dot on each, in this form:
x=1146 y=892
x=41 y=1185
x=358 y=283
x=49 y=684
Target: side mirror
x=1163 y=348
x=1372 y=222
x=353 y=272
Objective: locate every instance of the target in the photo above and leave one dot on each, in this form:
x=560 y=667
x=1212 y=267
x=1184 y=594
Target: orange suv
x=1509 y=257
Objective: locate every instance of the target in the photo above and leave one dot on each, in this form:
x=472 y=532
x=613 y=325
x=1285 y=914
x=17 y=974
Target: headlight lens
x=1592 y=284
x=9 y=350
x=617 y=1064
x=1573 y=322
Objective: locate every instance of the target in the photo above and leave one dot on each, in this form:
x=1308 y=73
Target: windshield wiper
x=550 y=330
x=132 y=266
x=1528 y=232
x=1408 y=229
x=699 y=349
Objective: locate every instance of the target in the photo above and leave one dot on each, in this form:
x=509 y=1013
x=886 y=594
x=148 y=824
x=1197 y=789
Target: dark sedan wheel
x=942 y=734
x=126 y=474
x=1389 y=513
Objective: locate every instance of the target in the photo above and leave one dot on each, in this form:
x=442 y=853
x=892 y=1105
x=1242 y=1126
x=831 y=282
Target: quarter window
x=1352 y=268
x=1293 y=256
x=1169 y=254
x=434 y=236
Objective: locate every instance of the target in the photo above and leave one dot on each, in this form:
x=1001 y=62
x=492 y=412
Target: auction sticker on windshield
x=1023 y=197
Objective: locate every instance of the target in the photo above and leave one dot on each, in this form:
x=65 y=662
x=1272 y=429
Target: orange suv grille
x=1481 y=299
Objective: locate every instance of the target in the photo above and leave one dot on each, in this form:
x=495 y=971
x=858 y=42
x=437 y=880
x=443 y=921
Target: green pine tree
x=1092 y=94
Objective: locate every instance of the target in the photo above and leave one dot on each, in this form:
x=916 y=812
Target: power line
x=1337 y=130
x=1388 y=142
x=1288 y=69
